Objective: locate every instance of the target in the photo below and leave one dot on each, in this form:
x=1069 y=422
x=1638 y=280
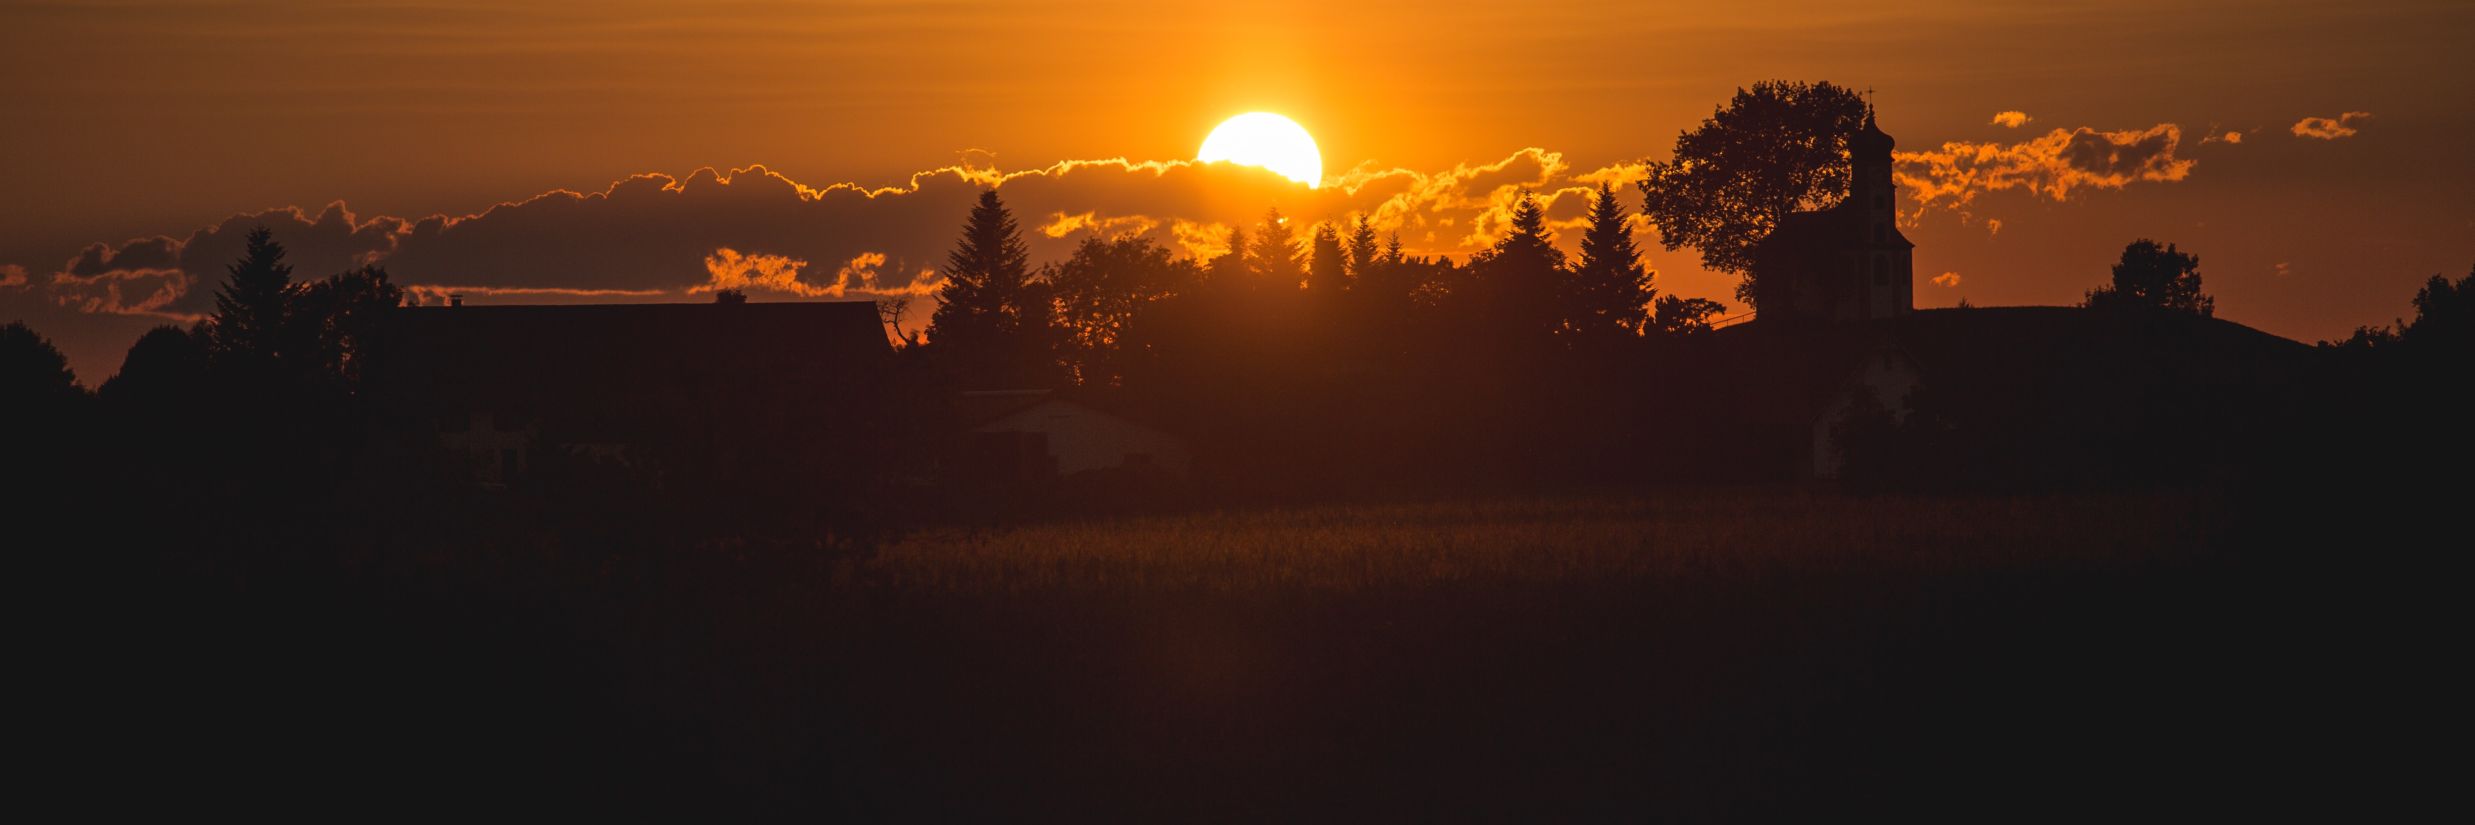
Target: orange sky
x=132 y=120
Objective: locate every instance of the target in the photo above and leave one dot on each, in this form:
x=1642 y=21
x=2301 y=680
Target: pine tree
x=1362 y=249
x=1609 y=292
x=253 y=309
x=1519 y=277
x=1227 y=272
x=1272 y=257
x=1327 y=269
x=992 y=316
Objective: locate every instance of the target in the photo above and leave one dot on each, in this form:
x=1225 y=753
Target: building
x=712 y=385
x=1035 y=435
x=1845 y=263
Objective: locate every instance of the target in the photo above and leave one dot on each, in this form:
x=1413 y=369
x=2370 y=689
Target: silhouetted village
x=421 y=498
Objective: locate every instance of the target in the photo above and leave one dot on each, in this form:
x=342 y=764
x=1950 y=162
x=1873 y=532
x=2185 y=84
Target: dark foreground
x=1687 y=656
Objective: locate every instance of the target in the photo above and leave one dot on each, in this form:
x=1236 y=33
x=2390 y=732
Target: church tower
x=1890 y=276
x=1845 y=263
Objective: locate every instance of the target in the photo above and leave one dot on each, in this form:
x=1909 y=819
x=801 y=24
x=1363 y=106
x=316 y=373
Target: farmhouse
x=1036 y=435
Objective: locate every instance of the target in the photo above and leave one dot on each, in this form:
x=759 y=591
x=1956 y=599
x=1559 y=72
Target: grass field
x=1657 y=535
x=1746 y=655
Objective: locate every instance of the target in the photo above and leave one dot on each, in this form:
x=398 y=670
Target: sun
x=1267 y=140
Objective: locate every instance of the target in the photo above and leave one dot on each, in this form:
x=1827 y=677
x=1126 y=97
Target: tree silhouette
x=1608 y=293
x=992 y=317
x=2444 y=315
x=166 y=367
x=1683 y=316
x=341 y=314
x=891 y=310
x=1103 y=286
x=1271 y=257
x=33 y=373
x=1518 y=277
x=1363 y=252
x=252 y=323
x=730 y=296
x=1770 y=151
x=1327 y=263
x=2154 y=277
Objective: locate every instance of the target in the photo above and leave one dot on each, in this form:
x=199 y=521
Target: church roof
x=1842 y=225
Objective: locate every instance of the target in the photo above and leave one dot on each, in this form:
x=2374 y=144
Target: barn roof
x=603 y=362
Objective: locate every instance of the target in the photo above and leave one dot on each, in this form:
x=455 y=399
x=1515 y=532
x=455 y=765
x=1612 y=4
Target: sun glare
x=1267 y=140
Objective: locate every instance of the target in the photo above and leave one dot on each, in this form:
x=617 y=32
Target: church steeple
x=1869 y=182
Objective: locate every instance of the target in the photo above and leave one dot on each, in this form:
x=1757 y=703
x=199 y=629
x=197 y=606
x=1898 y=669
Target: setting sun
x=1267 y=140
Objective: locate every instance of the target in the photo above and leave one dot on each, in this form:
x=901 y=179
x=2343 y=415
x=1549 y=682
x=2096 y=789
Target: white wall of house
x=1889 y=377
x=1082 y=439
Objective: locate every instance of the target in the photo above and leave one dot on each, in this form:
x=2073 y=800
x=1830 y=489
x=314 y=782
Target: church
x=1845 y=263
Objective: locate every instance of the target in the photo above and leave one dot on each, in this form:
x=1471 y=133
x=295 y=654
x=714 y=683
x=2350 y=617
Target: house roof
x=982 y=409
x=610 y=362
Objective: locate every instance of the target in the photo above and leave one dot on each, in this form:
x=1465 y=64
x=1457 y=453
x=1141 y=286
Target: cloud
x=1061 y=224
x=2331 y=128
x=1993 y=226
x=2012 y=119
x=1947 y=279
x=124 y=292
x=2230 y=137
x=728 y=269
x=2281 y=269
x=13 y=276
x=2052 y=166
x=753 y=228
x=654 y=236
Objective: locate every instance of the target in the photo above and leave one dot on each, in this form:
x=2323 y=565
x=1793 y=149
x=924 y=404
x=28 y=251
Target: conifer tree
x=1519 y=277
x=1362 y=249
x=993 y=317
x=1609 y=292
x=1327 y=269
x=253 y=309
x=1272 y=257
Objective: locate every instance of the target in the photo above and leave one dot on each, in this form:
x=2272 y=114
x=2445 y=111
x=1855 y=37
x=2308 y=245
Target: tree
x=1363 y=254
x=1609 y=291
x=992 y=316
x=891 y=310
x=339 y=316
x=1677 y=317
x=2154 y=277
x=2444 y=315
x=1103 y=287
x=1327 y=263
x=1518 y=278
x=730 y=297
x=252 y=323
x=2444 y=321
x=1770 y=151
x=166 y=367
x=1271 y=257
x=33 y=373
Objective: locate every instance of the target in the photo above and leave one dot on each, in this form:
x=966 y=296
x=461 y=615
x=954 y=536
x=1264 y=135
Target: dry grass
x=1661 y=535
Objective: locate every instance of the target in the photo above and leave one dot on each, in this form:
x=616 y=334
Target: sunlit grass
x=1541 y=540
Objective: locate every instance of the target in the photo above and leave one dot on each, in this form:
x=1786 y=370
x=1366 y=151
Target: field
x=1752 y=654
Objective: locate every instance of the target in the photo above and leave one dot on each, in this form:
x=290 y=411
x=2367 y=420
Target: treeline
x=1337 y=362
x=1119 y=308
